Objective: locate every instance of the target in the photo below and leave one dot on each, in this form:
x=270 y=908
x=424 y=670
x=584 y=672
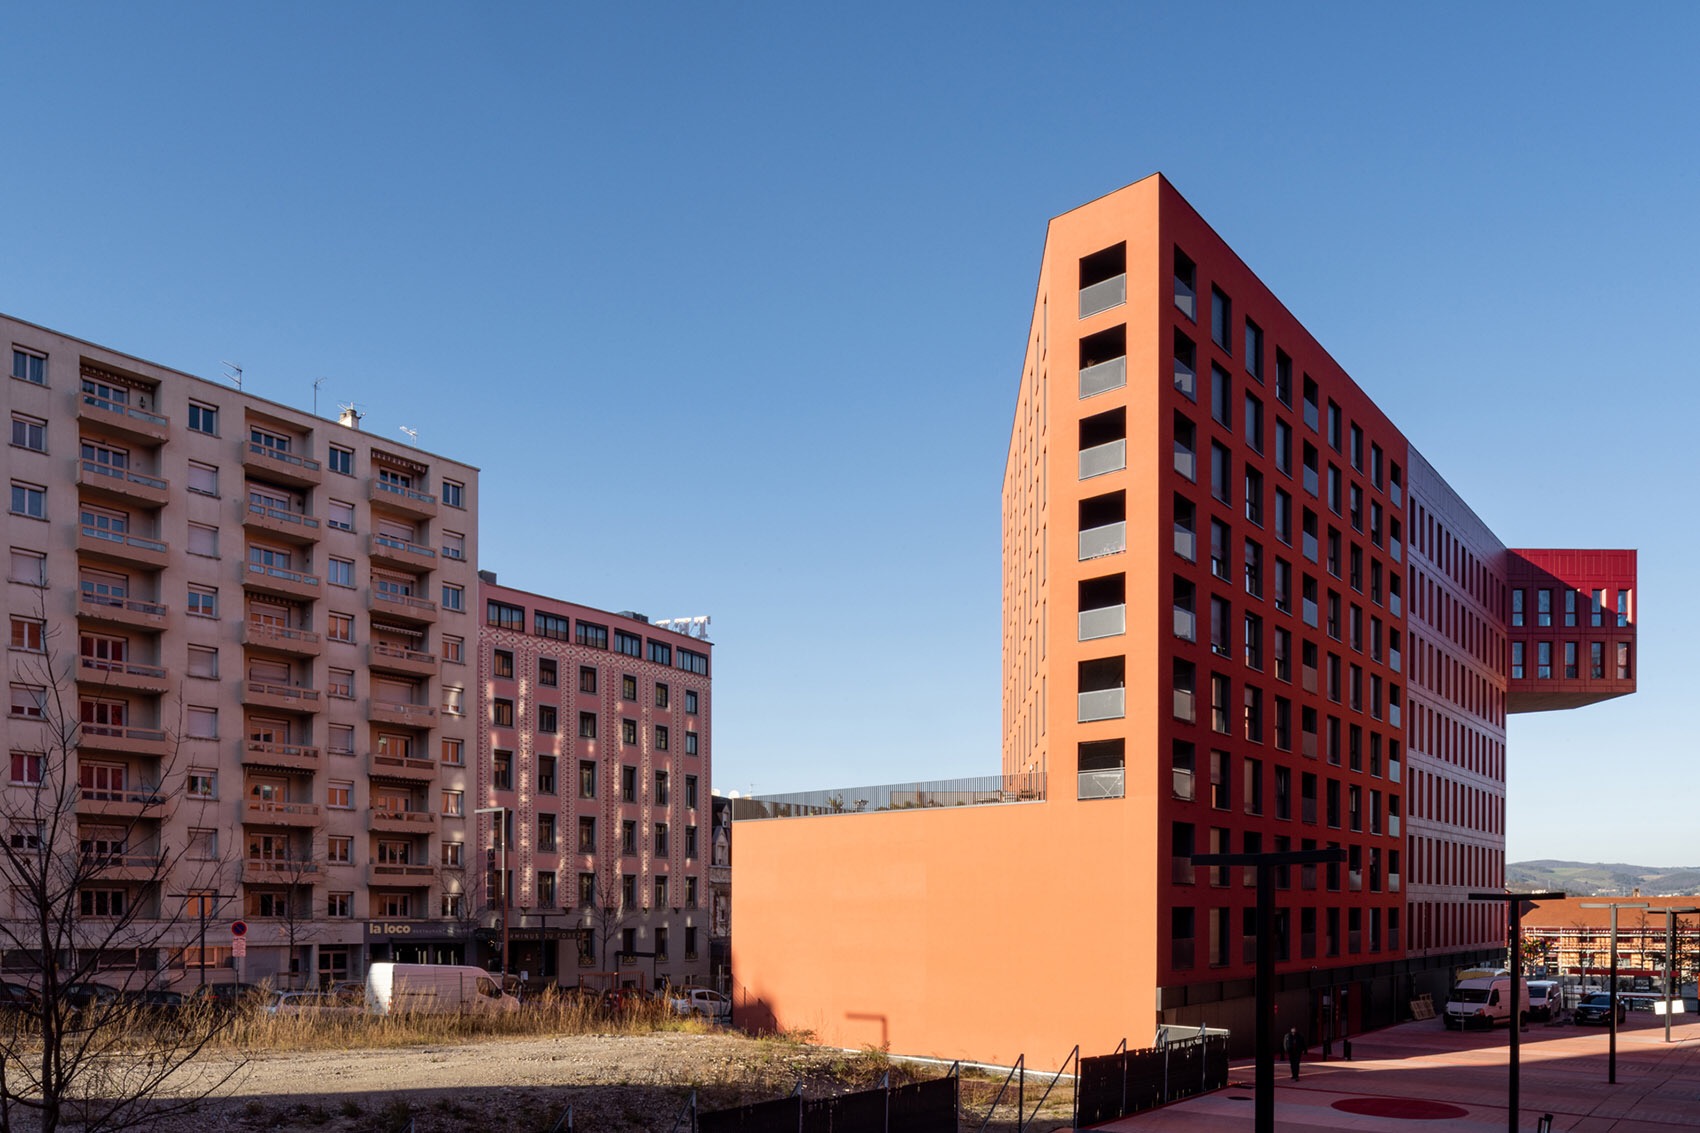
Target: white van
x=398 y=988
x=1483 y=1001
x=1546 y=998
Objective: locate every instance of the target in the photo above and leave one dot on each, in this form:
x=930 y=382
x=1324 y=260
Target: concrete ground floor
x=1405 y=1070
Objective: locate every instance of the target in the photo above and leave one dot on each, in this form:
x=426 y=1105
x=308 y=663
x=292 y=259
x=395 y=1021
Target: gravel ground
x=615 y=1083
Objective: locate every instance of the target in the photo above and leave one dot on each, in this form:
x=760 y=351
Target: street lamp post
x=1670 y=953
x=502 y=879
x=1515 y=904
x=1611 y=990
x=1266 y=865
x=201 y=900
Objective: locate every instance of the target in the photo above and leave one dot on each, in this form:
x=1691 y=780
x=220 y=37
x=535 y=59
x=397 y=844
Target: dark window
x=504 y=616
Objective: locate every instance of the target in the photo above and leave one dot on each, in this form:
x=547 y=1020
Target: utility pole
x=1611 y=1005
x=1516 y=905
x=201 y=899
x=502 y=880
x=1266 y=865
x=1670 y=955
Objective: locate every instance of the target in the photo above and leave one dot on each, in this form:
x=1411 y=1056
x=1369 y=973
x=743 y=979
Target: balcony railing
x=282 y=457
x=118 y=732
x=125 y=539
x=1103 y=704
x=1186 y=624
x=283 y=692
x=397 y=653
x=266 y=809
x=1103 y=377
x=405 y=493
x=283 y=574
x=1186 y=381
x=394 y=544
x=1096 y=542
x=97 y=402
x=410 y=817
x=1185 y=706
x=121 y=668
x=425 y=714
x=1185 y=299
x=1186 y=543
x=1106 y=621
x=1186 y=461
x=406 y=601
x=306 y=522
x=130 y=605
x=265 y=633
x=1100 y=460
x=1106 y=784
x=135 y=796
x=284 y=755
x=125 y=476
x=1103 y=295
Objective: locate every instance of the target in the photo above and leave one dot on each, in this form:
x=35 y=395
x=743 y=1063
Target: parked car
x=349 y=991
x=1596 y=1008
x=1545 y=998
x=393 y=988
x=703 y=1001
x=317 y=1003
x=231 y=995
x=17 y=997
x=82 y=996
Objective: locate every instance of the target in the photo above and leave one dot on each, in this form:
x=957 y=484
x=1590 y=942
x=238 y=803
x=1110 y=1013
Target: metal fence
x=920 y=1107
x=1115 y=1085
x=984 y=790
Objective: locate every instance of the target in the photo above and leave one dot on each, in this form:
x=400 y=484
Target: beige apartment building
x=255 y=630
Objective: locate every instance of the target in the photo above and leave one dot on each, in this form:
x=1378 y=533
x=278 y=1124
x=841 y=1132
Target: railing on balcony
x=1100 y=460
x=1310 y=481
x=1186 y=543
x=119 y=732
x=136 y=796
x=124 y=668
x=397 y=653
x=1109 y=783
x=301 y=462
x=1103 y=704
x=284 y=692
x=126 y=475
x=1393 y=770
x=402 y=545
x=1185 y=706
x=122 y=861
x=133 y=605
x=406 y=600
x=404 y=492
x=1393 y=883
x=1185 y=299
x=1186 y=381
x=1103 y=377
x=272 y=806
x=1395 y=660
x=284 y=574
x=125 y=539
x=1186 y=624
x=1186 y=461
x=123 y=410
x=1103 y=295
x=1307 y=747
x=263 y=631
x=1096 y=542
x=289 y=867
x=381 y=763
x=1106 y=621
x=299 y=520
x=263 y=749
x=417 y=817
x=421 y=712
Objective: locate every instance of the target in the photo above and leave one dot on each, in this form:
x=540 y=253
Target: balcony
x=1103 y=704
x=402 y=821
x=1096 y=542
x=393 y=875
x=1101 y=460
x=280 y=467
x=289 y=757
x=396 y=659
x=401 y=553
x=1186 y=543
x=1106 y=784
x=1103 y=295
x=1103 y=377
x=1186 y=300
x=269 y=812
x=151 y=742
x=1186 y=624
x=1106 y=621
x=404 y=607
x=123 y=485
x=123 y=548
x=395 y=497
x=290 y=526
x=126 y=420
x=126 y=867
x=407 y=715
x=1307 y=746
x=131 y=612
x=290 y=698
x=1185 y=706
x=280 y=581
x=1186 y=381
x=140 y=802
x=284 y=639
x=383 y=766
x=280 y=871
x=99 y=672
x=1186 y=461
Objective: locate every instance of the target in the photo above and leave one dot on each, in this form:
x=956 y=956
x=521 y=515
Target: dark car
x=230 y=995
x=82 y=996
x=1596 y=1008
x=17 y=997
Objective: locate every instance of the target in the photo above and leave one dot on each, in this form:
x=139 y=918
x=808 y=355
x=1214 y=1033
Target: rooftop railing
x=985 y=790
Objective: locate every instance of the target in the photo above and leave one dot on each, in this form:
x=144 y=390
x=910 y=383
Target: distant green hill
x=1604 y=879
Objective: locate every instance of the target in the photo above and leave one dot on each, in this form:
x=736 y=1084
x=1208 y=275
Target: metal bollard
x=1545 y=1124
x=1346 y=1048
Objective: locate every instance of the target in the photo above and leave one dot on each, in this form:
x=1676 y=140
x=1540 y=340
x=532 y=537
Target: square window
x=454 y=753
x=548 y=719
x=339 y=850
x=454 y=804
x=29 y=432
x=203 y=478
x=201 y=784
x=28 y=634
x=339 y=572
x=587 y=680
x=587 y=725
x=339 y=796
x=339 y=515
x=29 y=568
x=340 y=684
x=454 y=649
x=454 y=597
x=339 y=627
x=548 y=673
x=339 y=905
x=203 y=418
x=28 y=366
x=628 y=731
x=502 y=663
x=454 y=493
x=203 y=602
x=454 y=545
x=29 y=500
x=340 y=459
x=690 y=702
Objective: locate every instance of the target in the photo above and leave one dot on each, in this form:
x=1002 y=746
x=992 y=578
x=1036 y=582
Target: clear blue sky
x=728 y=301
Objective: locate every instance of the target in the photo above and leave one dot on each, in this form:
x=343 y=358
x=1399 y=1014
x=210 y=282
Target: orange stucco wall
x=980 y=933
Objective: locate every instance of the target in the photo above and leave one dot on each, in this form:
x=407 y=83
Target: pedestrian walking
x=1294 y=1046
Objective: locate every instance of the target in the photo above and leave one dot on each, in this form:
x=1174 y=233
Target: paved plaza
x=1461 y=1081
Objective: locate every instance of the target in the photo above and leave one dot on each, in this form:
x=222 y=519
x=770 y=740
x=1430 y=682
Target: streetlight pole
x=502 y=880
x=1514 y=904
x=201 y=898
x=1611 y=1003
x=1266 y=865
x=1670 y=954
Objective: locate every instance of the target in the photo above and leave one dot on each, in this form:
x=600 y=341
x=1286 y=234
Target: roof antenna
x=235 y=375
x=317 y=382
x=412 y=434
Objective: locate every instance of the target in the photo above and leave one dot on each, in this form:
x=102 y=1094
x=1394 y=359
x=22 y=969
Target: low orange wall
x=979 y=933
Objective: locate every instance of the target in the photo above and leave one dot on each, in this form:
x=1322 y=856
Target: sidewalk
x=1399 y=1073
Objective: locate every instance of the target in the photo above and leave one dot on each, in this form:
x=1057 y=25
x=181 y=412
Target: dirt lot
x=614 y=1083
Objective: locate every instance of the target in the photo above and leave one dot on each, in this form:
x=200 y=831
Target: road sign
x=239 y=929
x=239 y=947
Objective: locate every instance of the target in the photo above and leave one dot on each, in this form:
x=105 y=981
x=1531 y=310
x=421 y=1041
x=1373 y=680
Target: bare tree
x=291 y=865
x=84 y=864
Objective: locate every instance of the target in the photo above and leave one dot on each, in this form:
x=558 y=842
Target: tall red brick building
x=1241 y=612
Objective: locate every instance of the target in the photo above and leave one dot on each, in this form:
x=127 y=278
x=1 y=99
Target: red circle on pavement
x=1408 y=1109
